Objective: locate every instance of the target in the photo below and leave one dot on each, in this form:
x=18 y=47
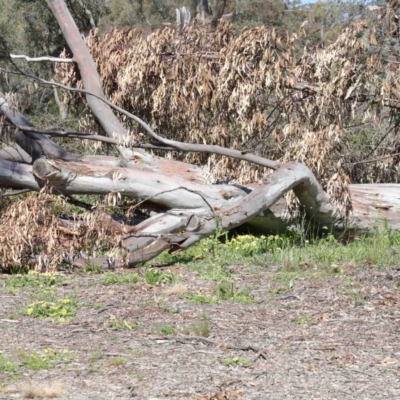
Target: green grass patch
x=35 y=279
x=228 y=291
x=94 y=356
x=165 y=329
x=223 y=291
x=156 y=277
x=121 y=324
x=292 y=250
x=303 y=320
x=7 y=365
x=112 y=278
x=243 y=362
x=213 y=273
x=35 y=360
x=93 y=268
x=117 y=361
x=200 y=327
x=201 y=299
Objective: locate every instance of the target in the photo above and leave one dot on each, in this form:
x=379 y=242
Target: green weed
x=11 y=291
x=201 y=327
x=214 y=273
x=156 y=277
x=198 y=298
x=304 y=320
x=59 y=310
x=7 y=365
x=227 y=291
x=94 y=356
x=358 y=297
x=243 y=362
x=170 y=310
x=118 y=361
x=166 y=329
x=93 y=268
x=112 y=278
x=121 y=324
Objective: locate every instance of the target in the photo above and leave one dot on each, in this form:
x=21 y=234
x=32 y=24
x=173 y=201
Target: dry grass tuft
x=176 y=289
x=43 y=390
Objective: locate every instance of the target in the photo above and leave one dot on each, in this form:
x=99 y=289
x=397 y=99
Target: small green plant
x=112 y=278
x=98 y=306
x=358 y=297
x=6 y=365
x=201 y=327
x=139 y=376
x=170 y=310
x=243 y=362
x=283 y=289
x=198 y=298
x=93 y=368
x=94 y=356
x=214 y=273
x=120 y=324
x=304 y=320
x=93 y=268
x=156 y=277
x=59 y=310
x=227 y=291
x=166 y=329
x=117 y=361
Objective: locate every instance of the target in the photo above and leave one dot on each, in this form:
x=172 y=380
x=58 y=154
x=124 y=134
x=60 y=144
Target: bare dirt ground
x=332 y=336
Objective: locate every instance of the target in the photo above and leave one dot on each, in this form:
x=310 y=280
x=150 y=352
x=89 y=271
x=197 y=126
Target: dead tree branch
x=43 y=58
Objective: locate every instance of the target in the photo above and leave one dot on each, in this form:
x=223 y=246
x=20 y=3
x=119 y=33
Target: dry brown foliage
x=30 y=233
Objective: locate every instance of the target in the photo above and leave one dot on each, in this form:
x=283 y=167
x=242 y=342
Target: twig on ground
x=190 y=339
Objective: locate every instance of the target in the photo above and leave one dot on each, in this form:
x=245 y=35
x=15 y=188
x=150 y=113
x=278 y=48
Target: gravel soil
x=320 y=336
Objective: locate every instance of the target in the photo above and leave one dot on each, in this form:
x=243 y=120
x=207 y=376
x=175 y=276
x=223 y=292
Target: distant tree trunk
x=61 y=105
x=203 y=10
x=88 y=13
x=219 y=12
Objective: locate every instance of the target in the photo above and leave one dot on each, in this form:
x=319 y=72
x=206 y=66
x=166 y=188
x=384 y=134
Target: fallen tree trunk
x=200 y=210
x=188 y=209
